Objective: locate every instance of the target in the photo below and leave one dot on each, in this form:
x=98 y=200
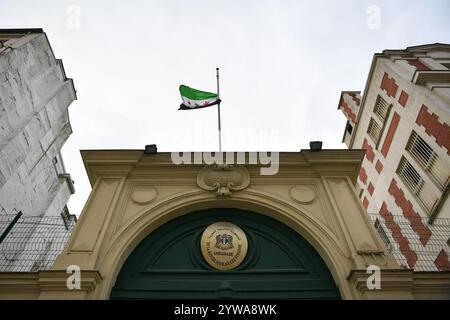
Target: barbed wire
x=33 y=243
x=426 y=255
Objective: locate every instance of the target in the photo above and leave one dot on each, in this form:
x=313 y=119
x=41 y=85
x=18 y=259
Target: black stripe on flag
x=185 y=107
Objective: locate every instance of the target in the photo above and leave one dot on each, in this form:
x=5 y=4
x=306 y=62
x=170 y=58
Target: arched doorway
x=280 y=264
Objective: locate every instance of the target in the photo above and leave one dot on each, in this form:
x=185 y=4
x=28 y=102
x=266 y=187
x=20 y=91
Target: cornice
x=391 y=280
x=134 y=164
x=409 y=52
x=18 y=282
x=51 y=280
x=435 y=283
x=56 y=280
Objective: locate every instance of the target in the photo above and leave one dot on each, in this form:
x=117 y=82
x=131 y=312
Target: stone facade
x=34 y=124
x=402 y=121
x=313 y=193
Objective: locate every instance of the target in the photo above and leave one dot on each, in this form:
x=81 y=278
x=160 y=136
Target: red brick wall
x=379 y=166
x=442 y=261
x=363 y=175
x=396 y=232
x=390 y=134
x=369 y=150
x=355 y=98
x=440 y=131
x=414 y=218
x=370 y=188
x=365 y=203
x=419 y=65
x=389 y=85
x=348 y=111
x=403 y=100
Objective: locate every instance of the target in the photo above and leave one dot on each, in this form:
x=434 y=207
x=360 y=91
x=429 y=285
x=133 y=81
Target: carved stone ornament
x=303 y=193
x=223 y=178
x=143 y=195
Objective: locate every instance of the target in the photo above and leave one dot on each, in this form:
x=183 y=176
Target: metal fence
x=31 y=243
x=421 y=257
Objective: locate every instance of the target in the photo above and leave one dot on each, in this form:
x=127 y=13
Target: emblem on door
x=224 y=241
x=224 y=245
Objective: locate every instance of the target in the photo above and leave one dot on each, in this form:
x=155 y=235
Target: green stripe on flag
x=195 y=94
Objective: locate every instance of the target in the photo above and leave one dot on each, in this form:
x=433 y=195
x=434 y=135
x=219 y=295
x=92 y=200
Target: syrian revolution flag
x=196 y=99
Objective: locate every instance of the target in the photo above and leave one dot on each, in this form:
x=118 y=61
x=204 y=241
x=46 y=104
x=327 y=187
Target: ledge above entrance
x=292 y=165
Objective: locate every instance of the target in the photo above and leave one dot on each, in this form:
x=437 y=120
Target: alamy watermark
x=373 y=282
x=373 y=21
x=73 y=21
x=73 y=281
x=269 y=161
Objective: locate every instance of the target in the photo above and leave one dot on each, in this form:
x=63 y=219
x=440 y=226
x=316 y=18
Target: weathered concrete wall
x=34 y=124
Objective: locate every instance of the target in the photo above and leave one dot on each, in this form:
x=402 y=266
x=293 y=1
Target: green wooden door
x=280 y=264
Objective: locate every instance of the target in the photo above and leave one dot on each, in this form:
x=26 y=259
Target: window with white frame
x=374 y=130
x=416 y=185
x=421 y=151
x=381 y=108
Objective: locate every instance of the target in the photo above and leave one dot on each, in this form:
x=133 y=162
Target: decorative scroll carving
x=223 y=179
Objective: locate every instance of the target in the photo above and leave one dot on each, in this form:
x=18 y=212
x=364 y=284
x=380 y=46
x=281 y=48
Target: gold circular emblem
x=224 y=245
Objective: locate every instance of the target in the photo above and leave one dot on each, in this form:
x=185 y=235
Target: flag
x=196 y=99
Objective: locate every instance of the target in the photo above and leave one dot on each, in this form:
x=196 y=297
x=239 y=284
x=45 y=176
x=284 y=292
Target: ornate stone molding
x=223 y=179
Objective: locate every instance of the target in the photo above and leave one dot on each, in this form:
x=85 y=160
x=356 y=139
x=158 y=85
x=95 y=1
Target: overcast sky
x=283 y=65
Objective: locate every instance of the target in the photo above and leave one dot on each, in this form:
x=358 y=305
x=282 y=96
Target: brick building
x=402 y=121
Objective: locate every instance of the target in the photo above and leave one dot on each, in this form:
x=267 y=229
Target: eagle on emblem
x=224 y=241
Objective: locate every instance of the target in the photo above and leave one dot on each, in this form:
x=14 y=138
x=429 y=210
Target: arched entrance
x=280 y=264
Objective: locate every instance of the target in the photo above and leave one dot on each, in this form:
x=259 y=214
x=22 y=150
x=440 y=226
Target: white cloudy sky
x=283 y=65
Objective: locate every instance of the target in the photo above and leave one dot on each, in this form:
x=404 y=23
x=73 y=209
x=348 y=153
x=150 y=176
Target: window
x=412 y=178
x=68 y=218
x=374 y=130
x=349 y=128
x=447 y=65
x=381 y=108
x=428 y=160
x=416 y=185
x=58 y=165
x=361 y=192
x=378 y=123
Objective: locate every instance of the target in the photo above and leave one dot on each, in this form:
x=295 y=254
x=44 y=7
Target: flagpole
x=218 y=111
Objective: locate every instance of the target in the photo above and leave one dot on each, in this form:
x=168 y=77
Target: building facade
x=402 y=121
x=155 y=229
x=34 y=124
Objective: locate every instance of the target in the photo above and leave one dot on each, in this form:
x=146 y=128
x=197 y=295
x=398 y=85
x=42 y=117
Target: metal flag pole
x=218 y=111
